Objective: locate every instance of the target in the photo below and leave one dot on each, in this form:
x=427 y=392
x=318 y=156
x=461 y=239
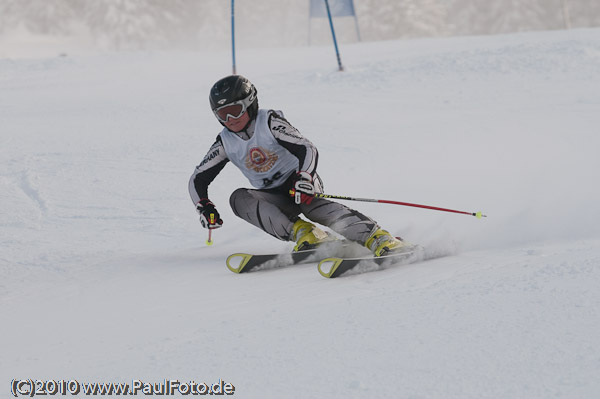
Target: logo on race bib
x=260 y=160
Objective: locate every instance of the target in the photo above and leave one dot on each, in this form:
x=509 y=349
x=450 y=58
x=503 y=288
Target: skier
x=282 y=166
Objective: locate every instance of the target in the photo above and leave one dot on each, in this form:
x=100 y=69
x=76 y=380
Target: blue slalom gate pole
x=337 y=52
x=233 y=34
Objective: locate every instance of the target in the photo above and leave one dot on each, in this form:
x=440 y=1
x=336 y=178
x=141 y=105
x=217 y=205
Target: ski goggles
x=234 y=109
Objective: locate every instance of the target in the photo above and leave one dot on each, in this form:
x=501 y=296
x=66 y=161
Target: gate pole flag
x=330 y=9
x=338 y=8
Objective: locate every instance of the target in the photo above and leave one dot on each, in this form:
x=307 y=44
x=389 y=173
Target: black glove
x=303 y=189
x=209 y=217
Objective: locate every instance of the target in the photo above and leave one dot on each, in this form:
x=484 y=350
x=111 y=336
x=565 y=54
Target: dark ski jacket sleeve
x=291 y=139
x=214 y=161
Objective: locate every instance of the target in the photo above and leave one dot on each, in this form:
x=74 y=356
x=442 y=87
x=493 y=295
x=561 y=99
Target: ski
x=246 y=262
x=335 y=267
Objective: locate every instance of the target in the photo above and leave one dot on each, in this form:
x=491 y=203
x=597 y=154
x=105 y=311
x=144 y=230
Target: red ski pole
x=209 y=241
x=478 y=215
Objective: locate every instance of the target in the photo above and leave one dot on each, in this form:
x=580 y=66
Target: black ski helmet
x=234 y=88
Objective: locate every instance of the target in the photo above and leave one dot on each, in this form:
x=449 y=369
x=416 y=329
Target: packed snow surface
x=106 y=276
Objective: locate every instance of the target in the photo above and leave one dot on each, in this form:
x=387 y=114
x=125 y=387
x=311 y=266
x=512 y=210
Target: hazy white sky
x=64 y=25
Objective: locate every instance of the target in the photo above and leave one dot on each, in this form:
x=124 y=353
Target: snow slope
x=105 y=275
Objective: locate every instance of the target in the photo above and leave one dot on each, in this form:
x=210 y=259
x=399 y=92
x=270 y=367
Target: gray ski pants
x=275 y=213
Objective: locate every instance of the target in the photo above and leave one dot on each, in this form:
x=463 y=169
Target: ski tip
x=328 y=266
x=237 y=266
